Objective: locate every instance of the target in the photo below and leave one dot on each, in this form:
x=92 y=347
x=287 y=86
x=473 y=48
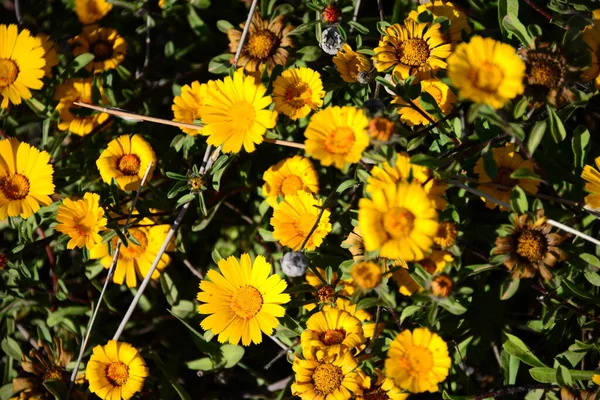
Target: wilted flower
x=294 y=264
x=331 y=40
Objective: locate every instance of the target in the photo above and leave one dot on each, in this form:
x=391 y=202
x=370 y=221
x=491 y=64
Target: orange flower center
x=545 y=73
x=332 y=336
x=133 y=251
x=242 y=116
x=532 y=245
x=418 y=361
x=8 y=72
x=375 y=394
x=246 y=302
x=297 y=96
x=487 y=77
x=15 y=187
x=129 y=164
x=117 y=373
x=261 y=44
x=53 y=373
x=291 y=185
x=102 y=51
x=398 y=222
x=340 y=140
x=327 y=378
x=381 y=128
x=413 y=52
x=326 y=294
x=503 y=178
x=441 y=285
x=83 y=225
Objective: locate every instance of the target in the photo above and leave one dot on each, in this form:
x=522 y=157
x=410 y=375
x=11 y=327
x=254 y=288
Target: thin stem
x=18 y=13
x=313 y=229
x=565 y=303
x=244 y=33
x=512 y=390
x=355 y=15
x=420 y=111
x=573 y=231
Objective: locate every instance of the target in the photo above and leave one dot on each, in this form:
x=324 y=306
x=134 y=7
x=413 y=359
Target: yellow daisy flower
x=72 y=90
x=328 y=380
x=444 y=97
x=417 y=361
x=25 y=179
x=81 y=220
x=381 y=128
x=186 y=106
x=330 y=333
x=265 y=45
x=90 y=11
x=400 y=221
x=350 y=64
x=126 y=159
x=21 y=64
x=294 y=218
x=50 y=54
x=116 y=371
x=337 y=135
x=382 y=176
x=107 y=46
x=446 y=234
x=347 y=305
x=297 y=91
x=592 y=185
x=435 y=262
x=412 y=49
x=382 y=389
x=234 y=113
x=486 y=71
x=367 y=275
x=243 y=300
x=407 y=286
x=507 y=160
x=288 y=177
x=442 y=8
x=134 y=259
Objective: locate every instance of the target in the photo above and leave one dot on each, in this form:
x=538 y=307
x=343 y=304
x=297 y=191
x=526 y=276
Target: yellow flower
x=186 y=106
x=243 y=300
x=294 y=218
x=441 y=285
x=354 y=244
x=77 y=89
x=486 y=71
x=109 y=49
x=592 y=185
x=25 y=179
x=417 y=361
x=134 y=259
x=90 y=11
x=435 y=262
x=442 y=95
x=116 y=371
x=234 y=113
x=446 y=234
x=413 y=49
x=442 y=8
x=367 y=275
x=337 y=135
x=265 y=45
x=126 y=159
x=350 y=64
x=288 y=177
x=399 y=221
x=347 y=305
x=507 y=161
x=591 y=36
x=381 y=128
x=407 y=286
x=21 y=64
x=382 y=389
x=330 y=333
x=82 y=220
x=297 y=91
x=327 y=380
x=382 y=176
x=50 y=54
x=596 y=379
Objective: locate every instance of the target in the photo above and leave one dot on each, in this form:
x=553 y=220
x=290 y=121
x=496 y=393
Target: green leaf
x=508 y=288
x=580 y=144
x=57 y=388
x=11 y=348
x=510 y=365
x=361 y=28
x=518 y=200
x=80 y=62
x=549 y=375
x=60 y=314
x=232 y=354
x=220 y=64
x=224 y=26
x=408 y=311
x=347 y=184
x=202 y=364
x=425 y=160
x=514 y=26
x=507 y=7
x=6 y=391
x=525 y=173
x=520 y=107
x=196 y=23
x=310 y=53
x=205 y=346
x=579 y=291
x=517 y=348
x=489 y=165
x=451 y=306
x=183 y=394
x=563 y=376
x=557 y=129
x=169 y=288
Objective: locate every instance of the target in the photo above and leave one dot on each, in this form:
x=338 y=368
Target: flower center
x=117 y=373
x=375 y=394
x=129 y=164
x=102 y=51
x=398 y=222
x=418 y=361
x=326 y=294
x=381 y=128
x=261 y=44
x=298 y=96
x=291 y=185
x=446 y=234
x=487 y=77
x=545 y=73
x=503 y=178
x=332 y=336
x=8 y=72
x=413 y=52
x=246 y=302
x=83 y=225
x=15 y=187
x=532 y=245
x=243 y=116
x=133 y=251
x=340 y=140
x=53 y=373
x=327 y=378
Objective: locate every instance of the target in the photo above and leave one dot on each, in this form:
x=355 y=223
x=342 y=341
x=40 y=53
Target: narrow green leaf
x=518 y=200
x=517 y=348
x=557 y=129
